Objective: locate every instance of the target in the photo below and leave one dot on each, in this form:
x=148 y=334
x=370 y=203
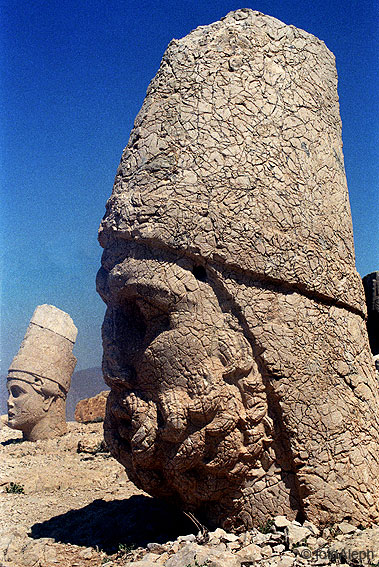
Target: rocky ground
x=66 y=502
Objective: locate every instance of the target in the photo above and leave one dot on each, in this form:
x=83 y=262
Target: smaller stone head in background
x=39 y=376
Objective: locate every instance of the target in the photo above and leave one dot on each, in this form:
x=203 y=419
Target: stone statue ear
x=235 y=352
x=37 y=385
x=46 y=400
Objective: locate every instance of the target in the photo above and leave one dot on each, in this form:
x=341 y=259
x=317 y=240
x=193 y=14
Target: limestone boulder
x=235 y=343
x=91 y=409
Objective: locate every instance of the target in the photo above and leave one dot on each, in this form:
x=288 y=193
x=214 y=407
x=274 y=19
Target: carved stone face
x=26 y=406
x=187 y=398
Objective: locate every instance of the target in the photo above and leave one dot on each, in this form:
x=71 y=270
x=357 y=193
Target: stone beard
x=201 y=413
x=39 y=376
x=242 y=384
x=188 y=410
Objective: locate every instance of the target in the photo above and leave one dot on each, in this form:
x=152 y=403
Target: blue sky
x=74 y=75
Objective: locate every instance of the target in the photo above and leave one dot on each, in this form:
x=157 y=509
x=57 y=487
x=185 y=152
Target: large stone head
x=234 y=340
x=188 y=410
x=40 y=375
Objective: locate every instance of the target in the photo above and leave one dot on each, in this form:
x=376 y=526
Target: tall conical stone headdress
x=46 y=351
x=236 y=156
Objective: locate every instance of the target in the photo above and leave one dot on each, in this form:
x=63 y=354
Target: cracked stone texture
x=235 y=344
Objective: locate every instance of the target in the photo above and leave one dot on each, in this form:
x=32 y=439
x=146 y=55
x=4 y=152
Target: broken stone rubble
x=299 y=547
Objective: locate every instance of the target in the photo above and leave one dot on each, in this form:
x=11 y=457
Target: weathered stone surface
x=296 y=534
x=92 y=446
x=360 y=549
x=346 y=528
x=371 y=287
x=40 y=374
x=251 y=552
x=194 y=554
x=281 y=522
x=91 y=409
x=235 y=345
x=242 y=122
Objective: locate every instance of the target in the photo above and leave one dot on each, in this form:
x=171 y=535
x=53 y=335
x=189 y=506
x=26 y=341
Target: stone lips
x=234 y=340
x=236 y=157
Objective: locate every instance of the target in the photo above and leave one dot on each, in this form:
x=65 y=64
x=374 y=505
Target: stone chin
x=13 y=421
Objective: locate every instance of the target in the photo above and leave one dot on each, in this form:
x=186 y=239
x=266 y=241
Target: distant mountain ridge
x=3 y=395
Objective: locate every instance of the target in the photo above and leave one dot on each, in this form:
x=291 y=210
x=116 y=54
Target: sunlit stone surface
x=235 y=346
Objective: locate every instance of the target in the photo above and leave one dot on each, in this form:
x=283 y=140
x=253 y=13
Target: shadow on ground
x=136 y=521
x=12 y=442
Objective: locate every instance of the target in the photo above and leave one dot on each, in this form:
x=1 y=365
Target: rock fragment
x=92 y=409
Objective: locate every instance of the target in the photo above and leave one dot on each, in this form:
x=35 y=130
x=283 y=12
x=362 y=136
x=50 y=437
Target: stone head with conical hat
x=40 y=374
x=234 y=339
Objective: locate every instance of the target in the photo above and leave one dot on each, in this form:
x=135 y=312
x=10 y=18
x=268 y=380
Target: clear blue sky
x=74 y=75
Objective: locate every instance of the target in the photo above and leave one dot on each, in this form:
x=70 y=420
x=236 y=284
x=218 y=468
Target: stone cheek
x=322 y=392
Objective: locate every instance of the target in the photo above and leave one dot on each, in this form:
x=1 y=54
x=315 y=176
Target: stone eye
x=16 y=392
